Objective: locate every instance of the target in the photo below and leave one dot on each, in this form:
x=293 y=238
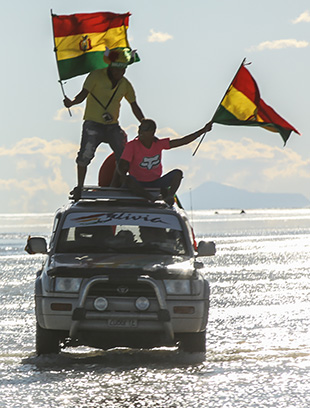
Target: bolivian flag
x=243 y=106
x=81 y=39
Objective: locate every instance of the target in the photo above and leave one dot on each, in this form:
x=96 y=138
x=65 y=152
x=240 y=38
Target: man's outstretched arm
x=80 y=97
x=136 y=110
x=190 y=138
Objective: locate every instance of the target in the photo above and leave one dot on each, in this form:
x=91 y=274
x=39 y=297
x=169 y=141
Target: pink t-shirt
x=145 y=164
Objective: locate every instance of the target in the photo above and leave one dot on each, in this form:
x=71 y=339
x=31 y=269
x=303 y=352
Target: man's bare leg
x=81 y=174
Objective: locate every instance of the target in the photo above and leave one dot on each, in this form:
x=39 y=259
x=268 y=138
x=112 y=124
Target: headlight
x=178 y=287
x=67 y=284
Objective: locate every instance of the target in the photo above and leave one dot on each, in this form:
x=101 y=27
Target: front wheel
x=47 y=341
x=193 y=342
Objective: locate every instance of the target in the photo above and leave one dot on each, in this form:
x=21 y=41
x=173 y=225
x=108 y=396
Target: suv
x=120 y=272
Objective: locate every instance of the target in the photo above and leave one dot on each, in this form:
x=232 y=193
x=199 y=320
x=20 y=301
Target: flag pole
x=201 y=140
x=55 y=50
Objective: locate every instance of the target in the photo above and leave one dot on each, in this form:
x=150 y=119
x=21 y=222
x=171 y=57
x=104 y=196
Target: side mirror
x=36 y=245
x=206 y=248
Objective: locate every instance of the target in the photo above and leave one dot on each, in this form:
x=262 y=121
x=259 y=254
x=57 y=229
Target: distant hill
x=211 y=195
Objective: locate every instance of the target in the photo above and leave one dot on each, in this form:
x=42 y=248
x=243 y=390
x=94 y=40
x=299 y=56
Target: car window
x=121 y=232
x=55 y=225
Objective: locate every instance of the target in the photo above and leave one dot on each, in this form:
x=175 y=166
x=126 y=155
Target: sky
x=189 y=53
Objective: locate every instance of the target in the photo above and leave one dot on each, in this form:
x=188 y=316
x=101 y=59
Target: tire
x=193 y=342
x=47 y=341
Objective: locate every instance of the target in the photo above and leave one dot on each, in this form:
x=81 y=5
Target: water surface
x=258 y=341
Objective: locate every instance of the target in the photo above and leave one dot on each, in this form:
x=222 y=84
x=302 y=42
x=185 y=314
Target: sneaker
x=169 y=199
x=75 y=194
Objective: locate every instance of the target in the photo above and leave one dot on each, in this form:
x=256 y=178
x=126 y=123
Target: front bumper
x=165 y=314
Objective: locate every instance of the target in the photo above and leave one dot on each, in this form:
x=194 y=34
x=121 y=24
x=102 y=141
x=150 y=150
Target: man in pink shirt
x=141 y=158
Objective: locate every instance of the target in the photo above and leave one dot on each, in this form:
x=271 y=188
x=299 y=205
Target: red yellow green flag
x=81 y=40
x=243 y=106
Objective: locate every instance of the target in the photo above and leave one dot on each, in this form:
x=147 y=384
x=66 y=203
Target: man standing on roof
x=103 y=90
x=141 y=158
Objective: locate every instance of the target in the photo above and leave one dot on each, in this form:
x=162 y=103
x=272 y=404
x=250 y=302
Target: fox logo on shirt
x=150 y=162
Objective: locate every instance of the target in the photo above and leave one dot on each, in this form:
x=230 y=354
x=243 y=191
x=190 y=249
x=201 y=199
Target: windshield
x=121 y=232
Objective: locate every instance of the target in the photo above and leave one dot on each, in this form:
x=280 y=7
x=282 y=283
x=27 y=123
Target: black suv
x=120 y=272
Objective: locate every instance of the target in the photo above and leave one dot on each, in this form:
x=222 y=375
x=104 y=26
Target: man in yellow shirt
x=103 y=90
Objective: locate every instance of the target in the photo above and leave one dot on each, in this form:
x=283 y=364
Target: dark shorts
x=162 y=182
x=93 y=134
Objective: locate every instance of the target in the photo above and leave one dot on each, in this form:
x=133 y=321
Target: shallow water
x=258 y=341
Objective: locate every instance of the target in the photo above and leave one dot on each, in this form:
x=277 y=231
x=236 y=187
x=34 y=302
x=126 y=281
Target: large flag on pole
x=81 y=40
x=243 y=106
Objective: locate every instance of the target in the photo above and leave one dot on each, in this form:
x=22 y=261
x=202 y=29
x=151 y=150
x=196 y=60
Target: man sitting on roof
x=141 y=158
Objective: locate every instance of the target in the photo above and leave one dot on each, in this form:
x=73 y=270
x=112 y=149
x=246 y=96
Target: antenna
x=191 y=206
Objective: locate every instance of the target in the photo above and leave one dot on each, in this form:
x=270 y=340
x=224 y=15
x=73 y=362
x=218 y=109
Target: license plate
x=122 y=323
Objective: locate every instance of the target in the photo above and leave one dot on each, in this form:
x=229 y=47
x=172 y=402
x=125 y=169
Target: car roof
x=95 y=198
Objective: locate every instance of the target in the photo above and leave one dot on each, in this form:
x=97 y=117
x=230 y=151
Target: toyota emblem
x=122 y=290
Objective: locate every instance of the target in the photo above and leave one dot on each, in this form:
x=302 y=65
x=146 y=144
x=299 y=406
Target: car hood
x=126 y=262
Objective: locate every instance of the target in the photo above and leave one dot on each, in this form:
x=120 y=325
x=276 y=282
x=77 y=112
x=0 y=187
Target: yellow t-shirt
x=99 y=84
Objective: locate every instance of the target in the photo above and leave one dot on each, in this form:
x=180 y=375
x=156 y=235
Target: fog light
x=142 y=303
x=100 y=304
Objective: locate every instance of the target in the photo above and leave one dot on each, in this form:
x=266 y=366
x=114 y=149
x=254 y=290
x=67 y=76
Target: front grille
x=122 y=290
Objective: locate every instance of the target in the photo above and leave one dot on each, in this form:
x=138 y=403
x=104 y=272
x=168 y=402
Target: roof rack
x=112 y=193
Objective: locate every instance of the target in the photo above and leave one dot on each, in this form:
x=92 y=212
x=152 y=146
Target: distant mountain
x=211 y=195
